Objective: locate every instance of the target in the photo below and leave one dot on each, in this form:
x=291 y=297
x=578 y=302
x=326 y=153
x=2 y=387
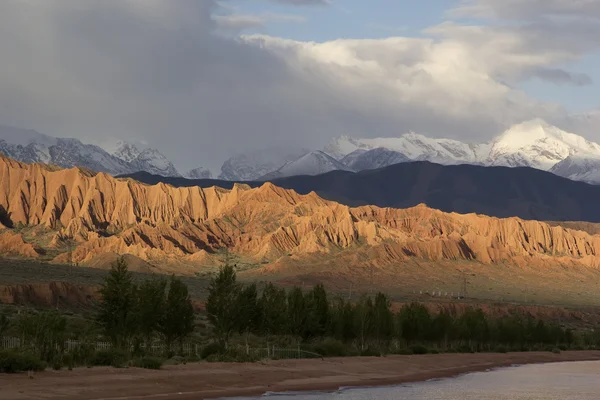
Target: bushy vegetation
x=12 y=361
x=157 y=309
x=148 y=362
x=129 y=315
x=134 y=317
x=110 y=358
x=337 y=327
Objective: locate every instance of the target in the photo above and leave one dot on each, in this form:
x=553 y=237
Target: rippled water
x=572 y=381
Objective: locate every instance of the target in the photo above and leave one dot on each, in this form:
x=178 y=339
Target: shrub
x=464 y=349
x=191 y=358
x=68 y=361
x=232 y=355
x=330 y=348
x=556 y=350
x=211 y=349
x=562 y=347
x=418 y=349
x=501 y=349
x=83 y=354
x=11 y=362
x=434 y=351
x=578 y=348
x=110 y=358
x=148 y=362
x=370 y=352
x=405 y=351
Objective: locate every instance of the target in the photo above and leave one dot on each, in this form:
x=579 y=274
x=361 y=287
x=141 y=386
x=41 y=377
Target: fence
x=274 y=353
x=262 y=353
x=71 y=345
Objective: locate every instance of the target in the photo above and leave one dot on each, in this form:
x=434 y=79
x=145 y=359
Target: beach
x=218 y=380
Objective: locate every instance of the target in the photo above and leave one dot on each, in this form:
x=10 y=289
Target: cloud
x=239 y=22
x=560 y=77
x=157 y=71
x=527 y=9
x=303 y=2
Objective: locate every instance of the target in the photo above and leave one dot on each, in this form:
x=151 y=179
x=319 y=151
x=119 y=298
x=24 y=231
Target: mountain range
x=523 y=192
x=532 y=143
x=276 y=232
x=30 y=146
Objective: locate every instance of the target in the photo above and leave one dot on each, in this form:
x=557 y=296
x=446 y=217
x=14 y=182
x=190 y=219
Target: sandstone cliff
x=184 y=227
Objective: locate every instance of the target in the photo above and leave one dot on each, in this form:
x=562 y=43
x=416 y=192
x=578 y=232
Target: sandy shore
x=214 y=380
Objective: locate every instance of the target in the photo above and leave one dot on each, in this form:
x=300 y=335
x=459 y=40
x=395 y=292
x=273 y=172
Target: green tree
x=442 y=328
x=318 y=315
x=248 y=311
x=117 y=308
x=473 y=328
x=342 y=320
x=44 y=332
x=414 y=322
x=4 y=323
x=273 y=307
x=297 y=312
x=383 y=318
x=178 y=319
x=221 y=305
x=363 y=320
x=151 y=307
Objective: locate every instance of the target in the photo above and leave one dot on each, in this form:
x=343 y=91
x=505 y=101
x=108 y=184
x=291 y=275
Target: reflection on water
x=571 y=381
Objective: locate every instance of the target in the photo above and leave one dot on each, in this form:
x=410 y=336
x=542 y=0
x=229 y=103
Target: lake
x=560 y=381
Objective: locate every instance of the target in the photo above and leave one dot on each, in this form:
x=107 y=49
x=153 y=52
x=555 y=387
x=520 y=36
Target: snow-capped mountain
x=413 y=146
x=31 y=146
x=539 y=145
x=313 y=163
x=198 y=173
x=532 y=144
x=253 y=165
x=579 y=168
x=146 y=159
x=380 y=157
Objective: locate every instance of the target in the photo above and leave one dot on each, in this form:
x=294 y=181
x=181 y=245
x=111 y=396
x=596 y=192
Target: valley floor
x=203 y=380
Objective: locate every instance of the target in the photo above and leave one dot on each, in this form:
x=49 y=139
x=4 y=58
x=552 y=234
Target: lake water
x=562 y=381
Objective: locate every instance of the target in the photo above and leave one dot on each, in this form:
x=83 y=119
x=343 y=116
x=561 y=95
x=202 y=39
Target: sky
x=202 y=80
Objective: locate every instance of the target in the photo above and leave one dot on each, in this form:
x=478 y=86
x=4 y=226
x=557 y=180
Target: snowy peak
x=253 y=165
x=126 y=151
x=199 y=173
x=30 y=146
x=532 y=143
x=539 y=145
x=313 y=163
x=380 y=157
x=579 y=168
x=414 y=146
x=147 y=159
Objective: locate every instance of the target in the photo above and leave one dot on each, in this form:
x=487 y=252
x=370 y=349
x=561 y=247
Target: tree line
x=369 y=323
x=133 y=317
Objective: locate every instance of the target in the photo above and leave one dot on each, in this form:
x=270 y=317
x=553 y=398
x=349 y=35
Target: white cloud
x=155 y=70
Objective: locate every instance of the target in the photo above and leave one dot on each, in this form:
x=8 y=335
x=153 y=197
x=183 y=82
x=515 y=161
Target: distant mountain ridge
x=534 y=143
x=502 y=192
x=30 y=146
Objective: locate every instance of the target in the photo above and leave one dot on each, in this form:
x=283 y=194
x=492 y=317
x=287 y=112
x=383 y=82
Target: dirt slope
x=186 y=226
